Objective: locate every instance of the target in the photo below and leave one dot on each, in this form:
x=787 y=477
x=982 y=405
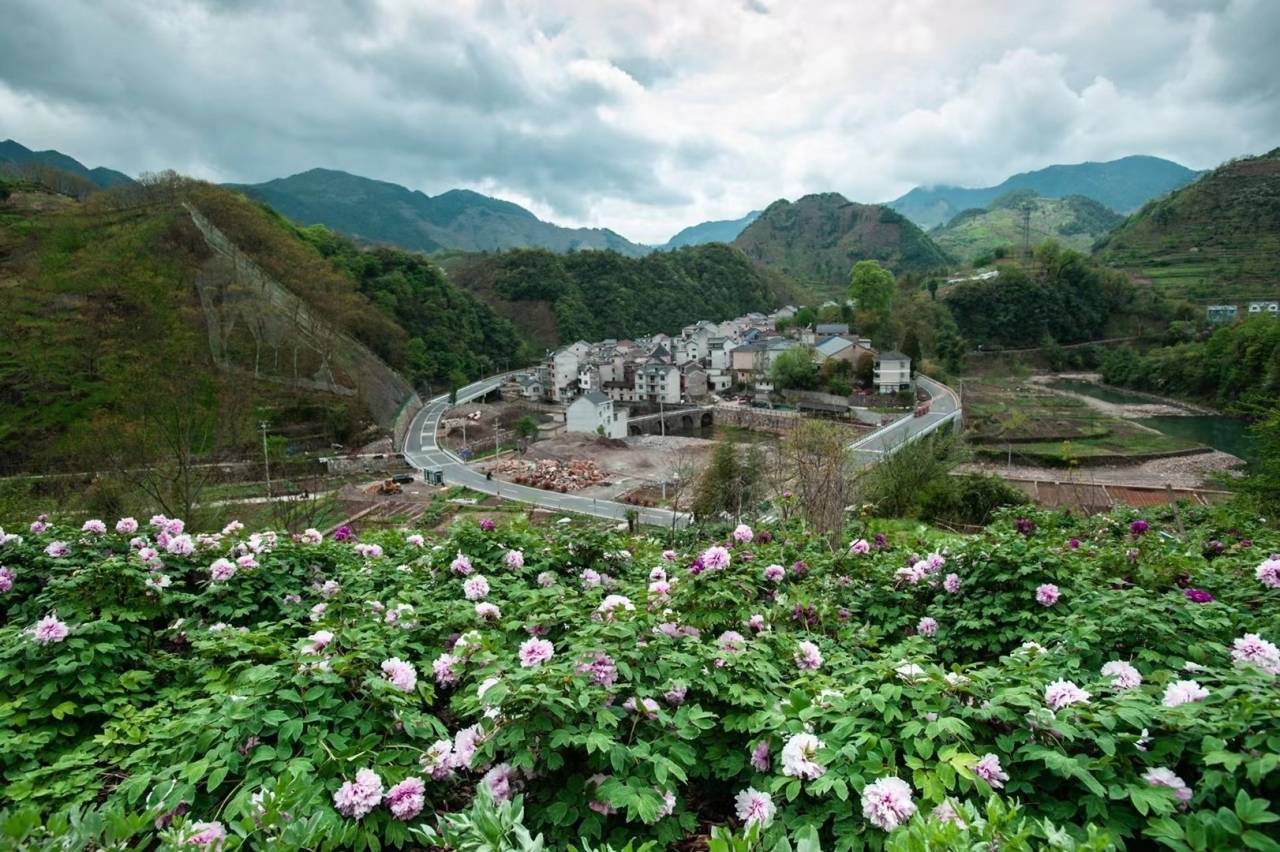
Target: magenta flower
x=343 y=533
x=1073 y=543
x=1198 y=596
x=535 y=652
x=405 y=800
x=1025 y=526
x=886 y=803
x=1138 y=527
x=989 y=770
x=760 y=760
x=668 y=556
x=1047 y=594
x=488 y=525
x=355 y=799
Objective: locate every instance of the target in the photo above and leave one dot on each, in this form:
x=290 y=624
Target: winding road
x=424 y=452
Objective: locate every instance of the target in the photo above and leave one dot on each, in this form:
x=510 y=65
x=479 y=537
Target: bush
x=969 y=499
x=171 y=703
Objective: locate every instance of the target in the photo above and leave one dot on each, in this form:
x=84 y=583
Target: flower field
x=1049 y=683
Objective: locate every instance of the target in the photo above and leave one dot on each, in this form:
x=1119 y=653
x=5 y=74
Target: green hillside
x=110 y=310
x=1075 y=222
x=18 y=158
x=818 y=238
x=1217 y=240
x=380 y=212
x=717 y=231
x=1124 y=185
x=599 y=294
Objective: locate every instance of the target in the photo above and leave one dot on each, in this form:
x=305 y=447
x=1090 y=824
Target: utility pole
x=495 y=437
x=662 y=420
x=266 y=459
x=1026 y=230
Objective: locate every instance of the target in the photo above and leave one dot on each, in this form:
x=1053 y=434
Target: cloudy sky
x=640 y=115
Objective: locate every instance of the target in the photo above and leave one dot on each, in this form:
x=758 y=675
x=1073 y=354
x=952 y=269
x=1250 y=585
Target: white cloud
x=642 y=117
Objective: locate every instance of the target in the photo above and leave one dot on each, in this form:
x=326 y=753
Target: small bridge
x=673 y=419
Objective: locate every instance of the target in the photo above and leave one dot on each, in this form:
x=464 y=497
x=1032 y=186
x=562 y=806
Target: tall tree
x=871 y=286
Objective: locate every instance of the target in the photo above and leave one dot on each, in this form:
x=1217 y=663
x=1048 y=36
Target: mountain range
x=718 y=231
x=974 y=236
x=381 y=212
x=1124 y=185
x=17 y=155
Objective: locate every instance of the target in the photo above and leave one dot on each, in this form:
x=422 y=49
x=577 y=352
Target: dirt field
x=636 y=462
x=1180 y=472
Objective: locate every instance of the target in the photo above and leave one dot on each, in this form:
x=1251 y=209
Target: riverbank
x=1157 y=407
x=1195 y=471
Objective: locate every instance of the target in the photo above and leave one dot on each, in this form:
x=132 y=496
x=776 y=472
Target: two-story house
x=595 y=413
x=892 y=372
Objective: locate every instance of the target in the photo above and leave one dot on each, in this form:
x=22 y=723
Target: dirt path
x=1129 y=410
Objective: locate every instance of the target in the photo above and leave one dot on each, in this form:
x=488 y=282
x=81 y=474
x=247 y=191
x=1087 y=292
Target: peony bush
x=1049 y=682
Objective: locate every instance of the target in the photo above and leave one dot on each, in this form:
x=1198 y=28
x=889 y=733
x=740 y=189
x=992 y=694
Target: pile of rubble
x=552 y=475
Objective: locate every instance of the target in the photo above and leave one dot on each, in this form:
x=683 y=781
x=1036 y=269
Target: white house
x=563 y=375
x=892 y=372
x=658 y=382
x=594 y=413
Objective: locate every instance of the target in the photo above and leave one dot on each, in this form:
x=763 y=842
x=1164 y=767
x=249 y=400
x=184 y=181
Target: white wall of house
x=893 y=375
x=596 y=416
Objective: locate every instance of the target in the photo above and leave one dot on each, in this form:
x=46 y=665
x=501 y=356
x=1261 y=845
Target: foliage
x=971 y=499
x=1237 y=367
x=593 y=295
x=207 y=700
x=732 y=481
x=1075 y=222
x=871 y=286
x=794 y=369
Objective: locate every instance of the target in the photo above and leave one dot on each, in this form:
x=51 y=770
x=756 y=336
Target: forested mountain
x=118 y=316
x=716 y=231
x=1075 y=222
x=1124 y=185
x=1215 y=240
x=594 y=295
x=381 y=212
x=818 y=238
x=13 y=157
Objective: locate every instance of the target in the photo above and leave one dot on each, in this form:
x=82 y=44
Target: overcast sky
x=640 y=115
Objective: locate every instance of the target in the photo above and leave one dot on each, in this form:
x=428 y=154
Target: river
x=1228 y=434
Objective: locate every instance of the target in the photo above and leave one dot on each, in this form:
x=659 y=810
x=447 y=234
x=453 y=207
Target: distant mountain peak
x=714 y=231
x=17 y=154
x=1123 y=185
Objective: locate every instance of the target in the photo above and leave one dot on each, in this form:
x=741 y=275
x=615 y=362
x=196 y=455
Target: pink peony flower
x=501 y=781
x=1160 y=776
x=799 y=757
x=731 y=642
x=860 y=547
x=488 y=525
x=369 y=551
x=946 y=812
x=1183 y=692
x=222 y=570
x=1063 y=693
x=756 y=622
x=645 y=707
x=753 y=806
x=57 y=549
x=437 y=760
x=886 y=802
x=601 y=669
x=460 y=565
x=989 y=770
x=38 y=526
x=207 y=834
x=488 y=612
x=6 y=579
x=1047 y=594
x=247 y=561
x=514 y=559
x=743 y=534
x=317 y=612
x=546 y=579
x=676 y=694
x=808 y=656
x=49 y=630
x=927 y=627
x=1123 y=675
x=775 y=573
x=613 y=603
x=715 y=558
x=1268 y=572
x=94 y=527
x=318 y=641
x=159 y=582
x=1252 y=649
x=913 y=573
x=951 y=584
x=355 y=799
x=443 y=666
x=400 y=674
x=311 y=535
x=475 y=587
x=669 y=555
x=760 y=761
x=405 y=800
x=535 y=652
x=465 y=742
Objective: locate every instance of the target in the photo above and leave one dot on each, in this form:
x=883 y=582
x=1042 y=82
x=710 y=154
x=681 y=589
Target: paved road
x=943 y=408
x=423 y=452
